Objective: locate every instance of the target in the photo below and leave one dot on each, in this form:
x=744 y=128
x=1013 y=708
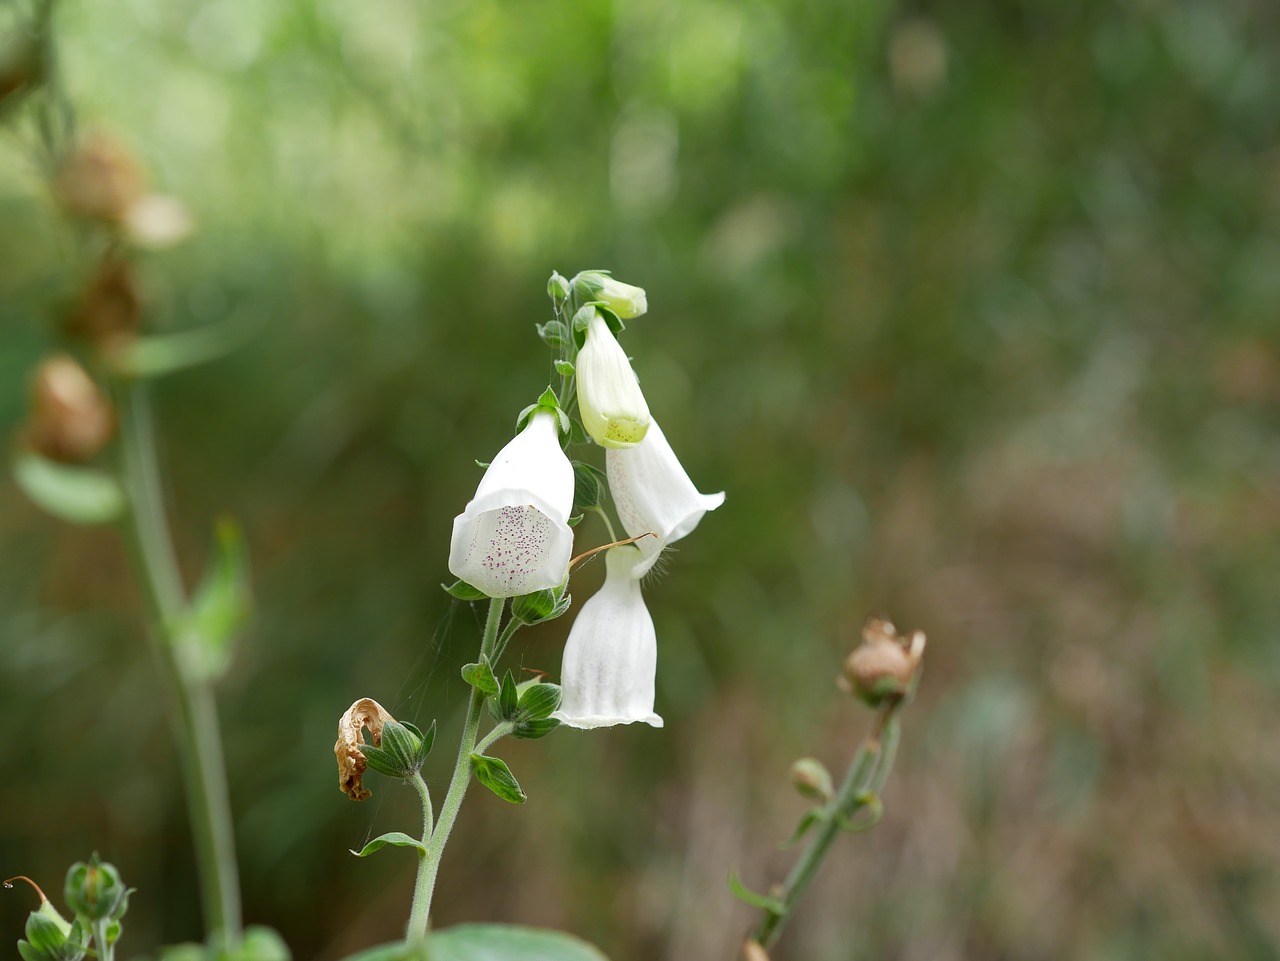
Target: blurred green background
x=972 y=309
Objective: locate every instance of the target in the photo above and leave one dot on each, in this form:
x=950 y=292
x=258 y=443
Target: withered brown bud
x=884 y=664
x=99 y=181
x=71 y=420
x=364 y=713
x=110 y=306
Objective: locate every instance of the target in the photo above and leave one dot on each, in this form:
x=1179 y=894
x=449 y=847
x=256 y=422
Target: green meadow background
x=973 y=310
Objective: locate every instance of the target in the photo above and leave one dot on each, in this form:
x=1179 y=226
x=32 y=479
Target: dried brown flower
x=110 y=306
x=71 y=420
x=364 y=713
x=100 y=180
x=884 y=664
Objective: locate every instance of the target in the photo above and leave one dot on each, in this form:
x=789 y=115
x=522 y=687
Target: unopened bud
x=95 y=891
x=71 y=420
x=110 y=306
x=612 y=406
x=623 y=299
x=884 y=665
x=99 y=181
x=812 y=780
x=557 y=289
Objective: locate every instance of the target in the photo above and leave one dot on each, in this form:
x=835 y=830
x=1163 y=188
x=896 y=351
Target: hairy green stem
x=867 y=773
x=199 y=738
x=504 y=639
x=429 y=863
x=499 y=731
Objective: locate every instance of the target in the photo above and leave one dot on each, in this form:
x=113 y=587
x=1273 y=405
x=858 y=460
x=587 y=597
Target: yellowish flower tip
x=612 y=406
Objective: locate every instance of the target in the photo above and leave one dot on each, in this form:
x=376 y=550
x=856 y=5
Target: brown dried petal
x=110 y=306
x=364 y=713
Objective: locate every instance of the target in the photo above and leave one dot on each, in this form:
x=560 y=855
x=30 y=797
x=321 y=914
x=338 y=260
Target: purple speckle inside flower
x=510 y=546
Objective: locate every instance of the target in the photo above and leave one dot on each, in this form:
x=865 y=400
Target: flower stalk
x=172 y=637
x=434 y=838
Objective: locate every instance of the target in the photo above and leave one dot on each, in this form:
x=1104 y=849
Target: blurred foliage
x=973 y=311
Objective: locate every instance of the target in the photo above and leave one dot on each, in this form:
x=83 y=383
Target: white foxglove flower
x=623 y=299
x=653 y=494
x=514 y=537
x=612 y=406
x=612 y=653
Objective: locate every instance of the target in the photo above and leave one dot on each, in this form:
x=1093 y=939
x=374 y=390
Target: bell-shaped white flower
x=514 y=537
x=623 y=299
x=653 y=494
x=612 y=406
x=612 y=653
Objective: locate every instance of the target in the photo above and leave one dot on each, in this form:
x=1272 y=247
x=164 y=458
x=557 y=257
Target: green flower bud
x=94 y=890
x=612 y=406
x=557 y=289
x=811 y=778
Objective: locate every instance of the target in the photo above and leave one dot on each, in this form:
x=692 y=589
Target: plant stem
x=867 y=772
x=499 y=731
x=199 y=738
x=504 y=639
x=106 y=951
x=429 y=863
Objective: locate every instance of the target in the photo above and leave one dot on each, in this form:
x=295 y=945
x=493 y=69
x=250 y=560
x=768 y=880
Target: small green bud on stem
x=812 y=780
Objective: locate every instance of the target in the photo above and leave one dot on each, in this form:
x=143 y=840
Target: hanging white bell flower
x=623 y=299
x=653 y=494
x=612 y=653
x=612 y=406
x=514 y=537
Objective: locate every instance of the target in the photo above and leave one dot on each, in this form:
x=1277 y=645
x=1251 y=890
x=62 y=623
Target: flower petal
x=612 y=406
x=513 y=538
x=612 y=653
x=654 y=494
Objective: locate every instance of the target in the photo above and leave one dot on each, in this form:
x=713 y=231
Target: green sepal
x=541 y=606
x=762 y=901
x=508 y=698
x=464 y=591
x=547 y=402
x=77 y=495
x=575 y=520
x=532 y=730
x=382 y=761
x=427 y=740
x=480 y=676
x=537 y=702
x=395 y=838
x=590 y=486
x=222 y=602
x=811 y=817
x=565 y=368
x=45 y=935
x=494 y=774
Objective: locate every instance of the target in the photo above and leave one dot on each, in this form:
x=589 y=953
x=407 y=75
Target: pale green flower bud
x=610 y=401
x=623 y=299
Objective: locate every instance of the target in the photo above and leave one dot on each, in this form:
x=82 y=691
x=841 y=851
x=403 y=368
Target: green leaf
x=868 y=801
x=761 y=901
x=507 y=698
x=494 y=774
x=161 y=354
x=78 y=495
x=222 y=601
x=564 y=368
x=507 y=942
x=537 y=702
x=554 y=334
x=811 y=817
x=480 y=676
x=464 y=591
x=531 y=730
x=397 y=838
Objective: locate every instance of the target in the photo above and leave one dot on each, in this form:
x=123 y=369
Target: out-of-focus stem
x=429 y=864
x=199 y=738
x=867 y=773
